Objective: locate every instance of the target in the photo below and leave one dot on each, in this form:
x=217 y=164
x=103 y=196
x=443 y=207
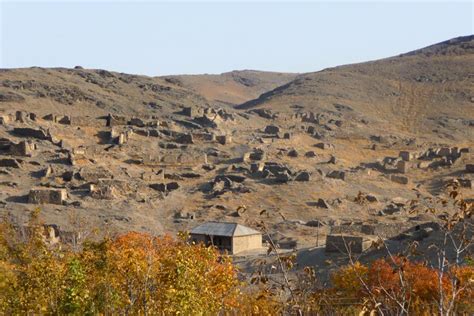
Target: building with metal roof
x=231 y=237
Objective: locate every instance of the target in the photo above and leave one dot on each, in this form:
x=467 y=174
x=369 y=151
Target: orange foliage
x=413 y=285
x=138 y=273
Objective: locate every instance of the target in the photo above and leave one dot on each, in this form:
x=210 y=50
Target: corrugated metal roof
x=223 y=229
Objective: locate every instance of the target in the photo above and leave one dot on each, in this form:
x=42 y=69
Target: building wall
x=243 y=243
x=199 y=239
x=221 y=242
x=337 y=243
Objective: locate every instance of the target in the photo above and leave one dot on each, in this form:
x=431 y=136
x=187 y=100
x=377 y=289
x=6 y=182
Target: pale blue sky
x=157 y=38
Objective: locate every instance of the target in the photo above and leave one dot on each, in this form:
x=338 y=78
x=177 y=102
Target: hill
x=233 y=87
x=340 y=150
x=90 y=92
x=416 y=93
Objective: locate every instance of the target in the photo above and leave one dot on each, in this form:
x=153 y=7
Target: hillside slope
x=233 y=87
x=413 y=92
x=90 y=92
x=302 y=157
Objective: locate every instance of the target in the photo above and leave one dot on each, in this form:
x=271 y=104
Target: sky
x=175 y=37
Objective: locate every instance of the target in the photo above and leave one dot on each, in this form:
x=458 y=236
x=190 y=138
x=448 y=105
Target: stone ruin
x=23 y=116
x=11 y=163
x=22 y=149
x=399 y=179
x=339 y=243
x=336 y=174
x=165 y=187
x=108 y=189
x=272 y=129
x=224 y=139
x=47 y=196
x=255 y=155
x=32 y=133
x=77 y=156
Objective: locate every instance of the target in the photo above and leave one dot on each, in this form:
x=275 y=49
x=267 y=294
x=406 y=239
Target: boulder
x=50 y=117
x=293 y=153
x=65 y=120
x=171 y=186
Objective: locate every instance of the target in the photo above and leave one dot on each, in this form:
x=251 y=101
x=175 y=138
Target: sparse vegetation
x=137 y=273
x=359 y=178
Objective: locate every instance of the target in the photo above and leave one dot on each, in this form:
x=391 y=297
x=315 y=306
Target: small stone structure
x=335 y=174
x=399 y=179
x=324 y=146
x=114 y=120
x=31 y=132
x=23 y=148
x=272 y=129
x=406 y=155
x=470 y=168
x=341 y=243
x=188 y=111
x=403 y=166
x=224 y=139
x=47 y=196
x=231 y=237
x=185 y=139
x=10 y=163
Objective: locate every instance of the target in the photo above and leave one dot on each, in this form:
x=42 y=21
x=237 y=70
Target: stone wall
x=340 y=243
x=47 y=196
x=244 y=243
